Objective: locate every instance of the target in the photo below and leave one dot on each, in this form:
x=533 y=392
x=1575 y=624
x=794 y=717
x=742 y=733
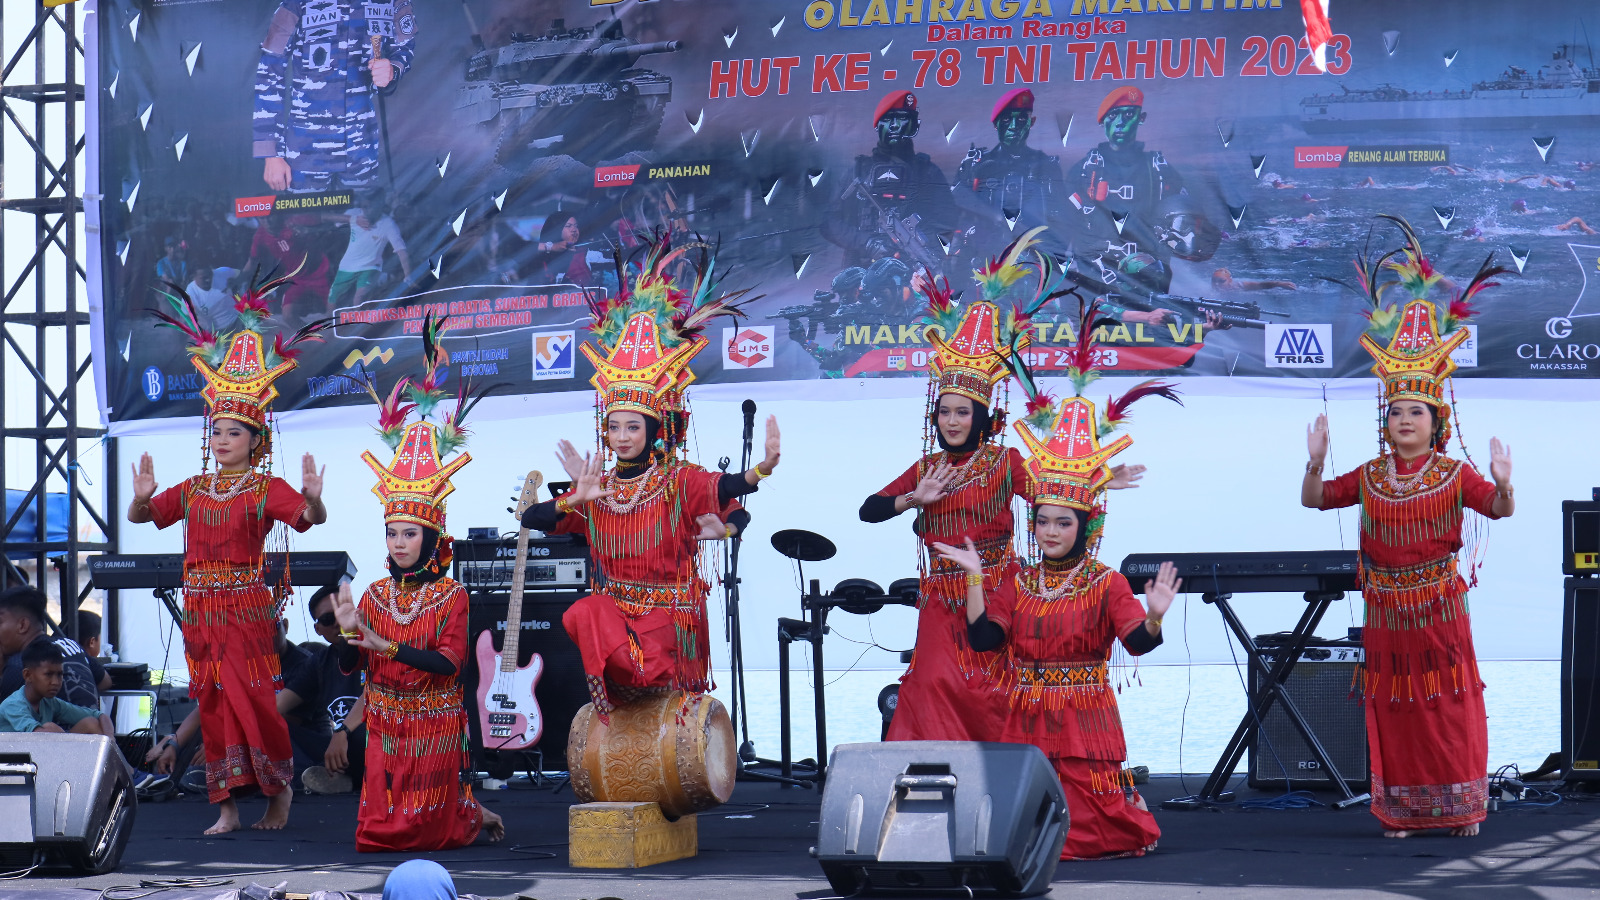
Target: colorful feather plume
x=1461 y=308
x=942 y=311
x=427 y=393
x=289 y=348
x=1083 y=355
x=999 y=274
x=705 y=300
x=1115 y=412
x=185 y=317
x=649 y=286
x=392 y=410
x=452 y=432
x=1416 y=271
x=251 y=303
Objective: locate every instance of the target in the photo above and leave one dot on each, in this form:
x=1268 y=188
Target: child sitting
x=36 y=707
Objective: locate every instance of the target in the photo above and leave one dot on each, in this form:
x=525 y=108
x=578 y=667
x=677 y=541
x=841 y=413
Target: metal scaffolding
x=44 y=318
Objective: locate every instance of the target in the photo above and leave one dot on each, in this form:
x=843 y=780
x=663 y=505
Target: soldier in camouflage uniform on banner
x=1013 y=186
x=316 y=118
x=894 y=182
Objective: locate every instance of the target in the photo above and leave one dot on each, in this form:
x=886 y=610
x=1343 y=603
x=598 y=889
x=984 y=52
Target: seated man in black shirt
x=89 y=639
x=330 y=738
x=22 y=622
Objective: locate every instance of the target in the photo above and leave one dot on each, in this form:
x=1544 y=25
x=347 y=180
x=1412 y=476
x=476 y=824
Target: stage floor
x=757 y=848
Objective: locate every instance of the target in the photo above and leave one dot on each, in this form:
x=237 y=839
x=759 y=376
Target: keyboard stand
x=1272 y=691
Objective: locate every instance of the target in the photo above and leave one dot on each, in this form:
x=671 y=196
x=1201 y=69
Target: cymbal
x=806 y=546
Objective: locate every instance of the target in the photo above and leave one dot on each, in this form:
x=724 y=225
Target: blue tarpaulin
x=56 y=506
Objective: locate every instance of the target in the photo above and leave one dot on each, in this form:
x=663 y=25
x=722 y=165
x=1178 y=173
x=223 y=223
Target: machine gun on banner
x=1228 y=313
x=904 y=233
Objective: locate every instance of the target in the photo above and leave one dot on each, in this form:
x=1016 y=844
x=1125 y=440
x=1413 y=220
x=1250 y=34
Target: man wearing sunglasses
x=330 y=741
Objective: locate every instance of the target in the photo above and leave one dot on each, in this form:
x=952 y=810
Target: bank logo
x=358 y=358
x=1299 y=346
x=749 y=347
x=552 y=355
x=154 y=383
x=1466 y=355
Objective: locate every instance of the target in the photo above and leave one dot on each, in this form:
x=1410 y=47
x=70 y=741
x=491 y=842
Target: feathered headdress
x=413 y=487
x=1411 y=345
x=972 y=345
x=239 y=368
x=646 y=336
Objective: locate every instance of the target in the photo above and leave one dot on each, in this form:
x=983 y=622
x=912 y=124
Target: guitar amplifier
x=1320 y=685
x=562 y=689
x=557 y=562
x=1580 y=680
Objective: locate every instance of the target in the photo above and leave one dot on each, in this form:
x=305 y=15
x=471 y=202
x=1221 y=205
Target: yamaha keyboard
x=1318 y=571
x=557 y=562
x=165 y=570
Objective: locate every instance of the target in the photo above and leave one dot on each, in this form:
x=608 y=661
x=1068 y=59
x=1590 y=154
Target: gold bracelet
x=760 y=475
x=911 y=500
x=392 y=650
x=729 y=530
x=974 y=579
x=1313 y=468
x=349 y=635
x=1156 y=622
x=563 y=505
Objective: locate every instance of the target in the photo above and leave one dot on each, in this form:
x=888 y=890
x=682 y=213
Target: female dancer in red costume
x=410 y=633
x=963 y=491
x=1426 y=727
x=1059 y=617
x=644 y=627
x=229 y=616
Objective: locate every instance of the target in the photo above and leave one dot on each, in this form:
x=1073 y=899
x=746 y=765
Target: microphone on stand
x=749 y=409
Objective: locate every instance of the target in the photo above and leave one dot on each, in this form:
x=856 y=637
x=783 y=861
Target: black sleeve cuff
x=985 y=635
x=541 y=516
x=732 y=486
x=740 y=519
x=1140 y=641
x=426 y=660
x=349 y=659
x=878 y=508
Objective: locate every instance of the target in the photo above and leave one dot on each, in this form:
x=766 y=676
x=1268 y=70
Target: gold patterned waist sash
x=995 y=552
x=394 y=703
x=220 y=577
x=1409 y=585
x=1032 y=675
x=637 y=599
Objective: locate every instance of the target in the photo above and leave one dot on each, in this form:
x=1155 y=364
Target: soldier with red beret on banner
x=899 y=201
x=1011 y=184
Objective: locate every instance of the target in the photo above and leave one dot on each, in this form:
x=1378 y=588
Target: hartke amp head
x=558 y=562
x=561 y=690
x=914 y=817
x=64 y=798
x=1321 y=687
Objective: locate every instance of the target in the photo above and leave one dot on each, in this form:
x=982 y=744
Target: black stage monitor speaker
x=1321 y=686
x=1580 y=537
x=919 y=816
x=561 y=690
x=1580 y=679
x=64 y=798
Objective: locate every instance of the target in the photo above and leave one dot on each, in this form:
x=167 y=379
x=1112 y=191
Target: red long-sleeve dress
x=1060 y=623
x=645 y=627
x=945 y=694
x=414 y=797
x=1427 y=731
x=230 y=623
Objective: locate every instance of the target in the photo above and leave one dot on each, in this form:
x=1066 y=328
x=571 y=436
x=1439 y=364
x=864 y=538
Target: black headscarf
x=427 y=567
x=1079 y=543
x=982 y=424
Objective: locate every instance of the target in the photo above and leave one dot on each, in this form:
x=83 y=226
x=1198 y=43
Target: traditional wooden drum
x=676 y=749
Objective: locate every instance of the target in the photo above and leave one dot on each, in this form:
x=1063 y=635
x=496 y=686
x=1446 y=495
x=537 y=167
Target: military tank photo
x=569 y=91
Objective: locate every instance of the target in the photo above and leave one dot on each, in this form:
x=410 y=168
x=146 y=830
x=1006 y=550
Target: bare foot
x=228 y=818
x=277 y=811
x=1465 y=831
x=493 y=825
x=1397 y=834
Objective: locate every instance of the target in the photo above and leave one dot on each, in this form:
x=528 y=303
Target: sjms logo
x=1299 y=346
x=154 y=383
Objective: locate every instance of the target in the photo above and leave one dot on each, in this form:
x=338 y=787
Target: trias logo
x=1299 y=346
x=251 y=207
x=615 y=176
x=750 y=347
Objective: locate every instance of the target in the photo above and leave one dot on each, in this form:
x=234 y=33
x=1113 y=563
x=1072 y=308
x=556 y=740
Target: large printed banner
x=482 y=158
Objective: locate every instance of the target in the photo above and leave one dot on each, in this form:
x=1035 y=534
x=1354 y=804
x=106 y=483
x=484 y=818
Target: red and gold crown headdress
x=1067 y=464
x=1411 y=345
x=646 y=336
x=972 y=345
x=239 y=368
x=413 y=487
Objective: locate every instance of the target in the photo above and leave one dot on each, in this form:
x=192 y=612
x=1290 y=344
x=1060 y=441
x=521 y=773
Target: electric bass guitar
x=509 y=716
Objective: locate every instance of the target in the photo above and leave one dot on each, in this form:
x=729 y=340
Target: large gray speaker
x=64 y=798
x=915 y=816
